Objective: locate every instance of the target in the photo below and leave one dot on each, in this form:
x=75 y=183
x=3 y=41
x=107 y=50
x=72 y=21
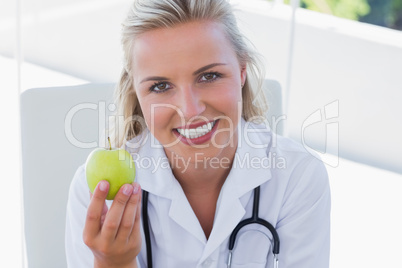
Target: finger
x=95 y=208
x=127 y=221
x=114 y=215
x=104 y=212
x=135 y=233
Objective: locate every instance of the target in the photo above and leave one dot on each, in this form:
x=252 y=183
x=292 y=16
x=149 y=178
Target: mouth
x=196 y=134
x=193 y=133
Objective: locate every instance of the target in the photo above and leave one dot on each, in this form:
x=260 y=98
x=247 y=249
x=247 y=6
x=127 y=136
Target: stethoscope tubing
x=145 y=224
x=254 y=219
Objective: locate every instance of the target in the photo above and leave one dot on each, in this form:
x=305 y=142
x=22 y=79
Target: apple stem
x=110 y=144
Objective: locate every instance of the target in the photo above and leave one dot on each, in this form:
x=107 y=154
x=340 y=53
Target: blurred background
x=339 y=63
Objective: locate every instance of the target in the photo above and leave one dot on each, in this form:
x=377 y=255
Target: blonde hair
x=146 y=15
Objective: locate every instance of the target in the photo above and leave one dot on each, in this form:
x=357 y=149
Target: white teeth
x=192 y=133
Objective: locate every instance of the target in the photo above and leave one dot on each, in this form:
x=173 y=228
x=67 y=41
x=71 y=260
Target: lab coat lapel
x=229 y=213
x=155 y=176
x=248 y=171
x=182 y=213
x=153 y=171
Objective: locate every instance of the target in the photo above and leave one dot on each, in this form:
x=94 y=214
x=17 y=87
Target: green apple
x=113 y=165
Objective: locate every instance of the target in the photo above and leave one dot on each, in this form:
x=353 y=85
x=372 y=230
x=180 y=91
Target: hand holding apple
x=113 y=234
x=113 y=165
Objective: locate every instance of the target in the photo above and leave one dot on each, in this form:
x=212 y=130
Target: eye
x=209 y=77
x=159 y=87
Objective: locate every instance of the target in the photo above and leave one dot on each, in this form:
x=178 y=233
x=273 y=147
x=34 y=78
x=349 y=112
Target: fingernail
x=136 y=188
x=127 y=189
x=103 y=186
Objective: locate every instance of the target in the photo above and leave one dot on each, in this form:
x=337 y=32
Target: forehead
x=186 y=45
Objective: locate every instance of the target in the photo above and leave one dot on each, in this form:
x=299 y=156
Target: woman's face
x=188 y=82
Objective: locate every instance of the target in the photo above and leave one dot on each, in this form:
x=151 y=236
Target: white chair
x=51 y=155
x=49 y=161
x=275 y=114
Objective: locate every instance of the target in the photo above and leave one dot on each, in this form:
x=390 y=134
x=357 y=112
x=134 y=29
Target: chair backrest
x=273 y=93
x=57 y=123
x=50 y=158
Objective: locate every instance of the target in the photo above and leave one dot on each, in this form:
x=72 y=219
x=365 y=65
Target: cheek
x=228 y=100
x=232 y=107
x=157 y=116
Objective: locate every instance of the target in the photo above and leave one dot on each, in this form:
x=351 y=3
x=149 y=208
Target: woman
x=188 y=94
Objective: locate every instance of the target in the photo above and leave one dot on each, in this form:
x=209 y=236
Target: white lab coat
x=295 y=199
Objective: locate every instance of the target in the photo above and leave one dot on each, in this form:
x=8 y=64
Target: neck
x=202 y=182
x=203 y=176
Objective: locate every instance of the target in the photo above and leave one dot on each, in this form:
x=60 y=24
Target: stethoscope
x=254 y=219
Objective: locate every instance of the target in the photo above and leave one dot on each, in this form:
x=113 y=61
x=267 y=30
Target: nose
x=191 y=102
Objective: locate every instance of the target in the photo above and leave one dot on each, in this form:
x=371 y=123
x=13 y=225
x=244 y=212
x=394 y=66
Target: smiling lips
x=196 y=133
x=192 y=133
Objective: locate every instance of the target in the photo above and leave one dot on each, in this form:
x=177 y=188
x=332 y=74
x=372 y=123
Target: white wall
x=79 y=38
x=334 y=60
x=355 y=64
x=355 y=67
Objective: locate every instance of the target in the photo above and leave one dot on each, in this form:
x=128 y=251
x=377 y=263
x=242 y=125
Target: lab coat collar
x=153 y=170
x=250 y=167
x=249 y=170
x=155 y=175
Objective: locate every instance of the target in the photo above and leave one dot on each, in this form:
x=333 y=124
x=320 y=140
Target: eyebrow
x=209 y=66
x=154 y=78
x=202 y=69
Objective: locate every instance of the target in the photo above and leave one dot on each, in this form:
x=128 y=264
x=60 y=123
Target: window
x=386 y=13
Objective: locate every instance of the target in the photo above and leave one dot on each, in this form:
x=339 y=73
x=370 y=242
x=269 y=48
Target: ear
x=243 y=75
